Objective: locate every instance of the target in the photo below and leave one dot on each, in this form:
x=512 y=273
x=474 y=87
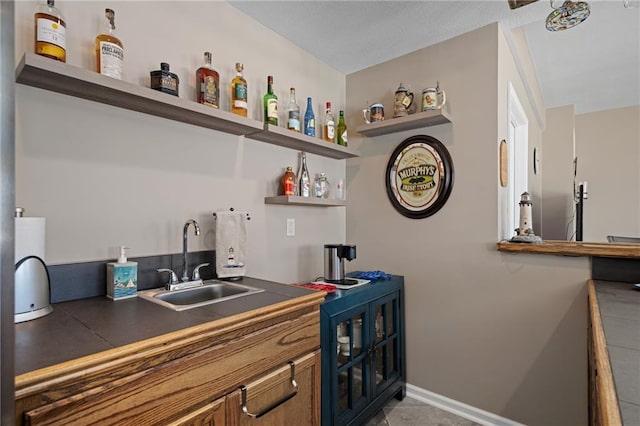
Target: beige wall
x=105 y=177
x=558 y=208
x=505 y=333
x=608 y=151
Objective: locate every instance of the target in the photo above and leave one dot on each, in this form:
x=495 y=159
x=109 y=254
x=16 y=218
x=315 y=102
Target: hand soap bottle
x=122 y=277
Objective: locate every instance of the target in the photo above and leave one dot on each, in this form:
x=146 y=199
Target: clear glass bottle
x=304 y=181
x=270 y=104
x=309 y=119
x=341 y=130
x=109 y=49
x=208 y=83
x=321 y=186
x=50 y=32
x=239 y=99
x=288 y=182
x=329 y=126
x=293 y=112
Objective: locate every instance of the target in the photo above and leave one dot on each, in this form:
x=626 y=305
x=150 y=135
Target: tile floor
x=410 y=412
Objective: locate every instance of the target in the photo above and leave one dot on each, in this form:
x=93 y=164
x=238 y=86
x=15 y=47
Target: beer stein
x=433 y=98
x=373 y=114
x=402 y=102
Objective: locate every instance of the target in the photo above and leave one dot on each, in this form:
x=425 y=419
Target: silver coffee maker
x=334 y=256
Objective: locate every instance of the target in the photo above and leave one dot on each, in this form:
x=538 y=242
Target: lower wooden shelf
x=294 y=200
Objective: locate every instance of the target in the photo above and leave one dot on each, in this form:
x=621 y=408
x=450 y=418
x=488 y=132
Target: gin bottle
x=293 y=112
x=309 y=119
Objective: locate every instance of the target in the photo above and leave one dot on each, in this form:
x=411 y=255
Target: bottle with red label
x=288 y=181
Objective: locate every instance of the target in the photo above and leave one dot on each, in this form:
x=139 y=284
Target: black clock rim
x=445 y=189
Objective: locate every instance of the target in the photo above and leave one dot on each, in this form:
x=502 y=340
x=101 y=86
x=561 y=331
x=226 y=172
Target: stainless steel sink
x=211 y=291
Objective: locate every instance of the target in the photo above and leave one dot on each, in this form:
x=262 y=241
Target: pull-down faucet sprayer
x=185 y=275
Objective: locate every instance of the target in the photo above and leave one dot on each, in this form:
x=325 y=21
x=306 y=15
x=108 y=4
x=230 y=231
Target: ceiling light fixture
x=568 y=15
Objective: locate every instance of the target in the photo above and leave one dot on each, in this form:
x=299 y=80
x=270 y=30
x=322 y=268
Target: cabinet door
x=274 y=399
x=212 y=414
x=386 y=341
x=351 y=385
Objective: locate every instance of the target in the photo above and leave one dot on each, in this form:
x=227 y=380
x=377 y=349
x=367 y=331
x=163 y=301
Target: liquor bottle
x=288 y=182
x=109 y=48
x=208 y=83
x=50 y=30
x=329 y=126
x=304 y=181
x=309 y=119
x=293 y=122
x=239 y=104
x=341 y=130
x=270 y=104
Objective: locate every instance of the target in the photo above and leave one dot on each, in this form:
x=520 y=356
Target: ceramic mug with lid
x=373 y=114
x=402 y=101
x=433 y=98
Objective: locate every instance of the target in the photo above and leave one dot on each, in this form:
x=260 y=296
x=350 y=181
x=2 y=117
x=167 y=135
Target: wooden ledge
x=574 y=248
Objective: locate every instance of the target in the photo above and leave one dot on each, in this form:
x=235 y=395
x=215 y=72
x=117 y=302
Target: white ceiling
x=595 y=65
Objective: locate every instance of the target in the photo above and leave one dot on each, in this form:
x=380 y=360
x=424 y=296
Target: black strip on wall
x=615 y=269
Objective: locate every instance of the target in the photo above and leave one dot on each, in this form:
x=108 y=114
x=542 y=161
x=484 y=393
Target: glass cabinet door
x=352 y=363
x=386 y=341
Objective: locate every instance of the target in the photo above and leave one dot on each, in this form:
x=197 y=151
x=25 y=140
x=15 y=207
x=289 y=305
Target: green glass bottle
x=270 y=104
x=341 y=130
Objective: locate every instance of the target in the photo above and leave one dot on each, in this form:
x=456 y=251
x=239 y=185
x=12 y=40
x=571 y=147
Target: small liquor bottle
x=239 y=102
x=329 y=126
x=341 y=130
x=288 y=182
x=208 y=83
x=293 y=122
x=109 y=48
x=270 y=104
x=165 y=81
x=50 y=32
x=309 y=119
x=304 y=181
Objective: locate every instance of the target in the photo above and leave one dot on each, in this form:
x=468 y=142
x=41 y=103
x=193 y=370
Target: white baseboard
x=459 y=408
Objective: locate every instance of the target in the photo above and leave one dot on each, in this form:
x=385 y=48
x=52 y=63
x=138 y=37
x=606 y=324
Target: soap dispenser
x=122 y=277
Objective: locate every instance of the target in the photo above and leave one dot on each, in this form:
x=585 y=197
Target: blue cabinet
x=363 y=351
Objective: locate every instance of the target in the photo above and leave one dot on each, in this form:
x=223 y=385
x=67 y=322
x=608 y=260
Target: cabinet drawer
x=171 y=390
x=274 y=400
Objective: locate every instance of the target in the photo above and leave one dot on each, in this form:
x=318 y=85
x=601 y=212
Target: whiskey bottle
x=341 y=130
x=208 y=83
x=293 y=122
x=288 y=182
x=109 y=49
x=239 y=104
x=329 y=126
x=50 y=32
x=304 y=181
x=270 y=104
x=309 y=119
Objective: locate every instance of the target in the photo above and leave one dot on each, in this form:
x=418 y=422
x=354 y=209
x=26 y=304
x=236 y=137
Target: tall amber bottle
x=50 y=32
x=239 y=104
x=109 y=49
x=208 y=83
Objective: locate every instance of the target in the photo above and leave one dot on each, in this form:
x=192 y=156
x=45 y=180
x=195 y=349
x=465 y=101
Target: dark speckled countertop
x=619 y=307
x=83 y=327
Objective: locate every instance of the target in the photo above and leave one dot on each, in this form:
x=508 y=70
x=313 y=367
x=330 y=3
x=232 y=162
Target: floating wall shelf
x=413 y=121
x=48 y=74
x=304 y=201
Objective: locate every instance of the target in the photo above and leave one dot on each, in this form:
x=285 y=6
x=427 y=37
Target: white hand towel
x=231 y=244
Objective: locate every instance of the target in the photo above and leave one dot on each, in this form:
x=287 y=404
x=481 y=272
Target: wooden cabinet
x=190 y=377
x=363 y=355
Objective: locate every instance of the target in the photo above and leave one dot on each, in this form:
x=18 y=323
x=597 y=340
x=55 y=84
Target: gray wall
x=104 y=177
x=502 y=332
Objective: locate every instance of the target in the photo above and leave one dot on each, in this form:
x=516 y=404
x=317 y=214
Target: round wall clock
x=419 y=176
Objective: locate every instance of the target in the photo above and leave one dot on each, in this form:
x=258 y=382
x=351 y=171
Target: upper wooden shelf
x=293 y=200
x=413 y=121
x=290 y=139
x=573 y=248
x=48 y=74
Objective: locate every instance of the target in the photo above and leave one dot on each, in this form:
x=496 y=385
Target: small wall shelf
x=413 y=121
x=48 y=74
x=293 y=200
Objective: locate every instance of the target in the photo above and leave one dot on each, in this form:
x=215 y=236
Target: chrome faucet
x=185 y=275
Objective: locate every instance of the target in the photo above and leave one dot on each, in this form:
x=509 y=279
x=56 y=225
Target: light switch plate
x=291 y=227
